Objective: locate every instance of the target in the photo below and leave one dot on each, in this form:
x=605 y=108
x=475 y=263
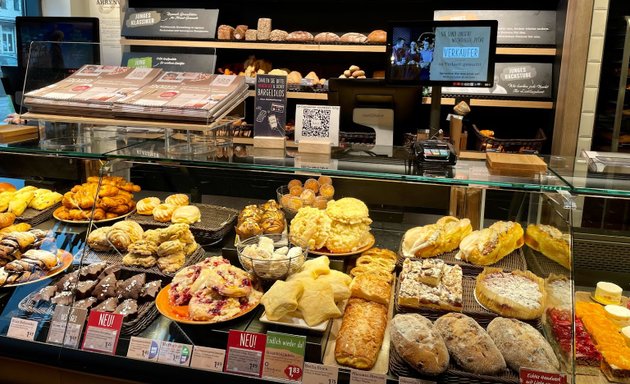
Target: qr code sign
x=316 y=122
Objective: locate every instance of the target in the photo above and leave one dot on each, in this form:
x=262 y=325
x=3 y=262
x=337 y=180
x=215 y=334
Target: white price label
x=209 y=359
x=100 y=339
x=244 y=361
x=73 y=335
x=56 y=332
x=320 y=374
x=361 y=377
x=174 y=353
x=411 y=380
x=22 y=329
x=143 y=349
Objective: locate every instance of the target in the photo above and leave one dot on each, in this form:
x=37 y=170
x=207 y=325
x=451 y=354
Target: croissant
x=119 y=209
x=6 y=219
x=99 y=214
x=110 y=215
x=108 y=191
x=77 y=214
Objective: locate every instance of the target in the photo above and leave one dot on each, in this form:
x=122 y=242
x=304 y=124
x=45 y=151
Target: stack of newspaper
x=144 y=93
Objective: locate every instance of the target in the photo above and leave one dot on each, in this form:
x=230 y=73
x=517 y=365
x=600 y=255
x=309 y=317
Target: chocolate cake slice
x=63 y=298
x=46 y=293
x=86 y=303
x=105 y=288
x=131 y=287
x=85 y=288
x=111 y=270
x=108 y=305
x=150 y=290
x=92 y=271
x=68 y=282
x=128 y=308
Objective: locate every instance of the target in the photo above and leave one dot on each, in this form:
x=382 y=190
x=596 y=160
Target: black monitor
x=448 y=53
x=404 y=100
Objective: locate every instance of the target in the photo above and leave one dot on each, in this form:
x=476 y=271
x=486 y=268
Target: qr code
x=316 y=123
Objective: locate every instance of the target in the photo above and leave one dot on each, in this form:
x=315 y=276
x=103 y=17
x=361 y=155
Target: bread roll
x=522 y=345
x=225 y=32
x=251 y=35
x=353 y=37
x=300 y=36
x=469 y=344
x=377 y=36
x=294 y=77
x=239 y=32
x=278 y=35
x=414 y=339
x=326 y=37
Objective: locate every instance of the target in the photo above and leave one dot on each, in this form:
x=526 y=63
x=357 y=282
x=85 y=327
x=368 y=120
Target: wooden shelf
x=497 y=103
x=300 y=95
x=273 y=46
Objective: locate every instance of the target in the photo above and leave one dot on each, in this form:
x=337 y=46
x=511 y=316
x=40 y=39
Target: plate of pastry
x=211 y=291
x=35 y=265
x=368 y=244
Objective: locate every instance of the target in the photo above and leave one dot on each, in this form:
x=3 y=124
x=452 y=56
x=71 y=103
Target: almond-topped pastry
x=489 y=245
x=518 y=294
x=549 y=241
x=431 y=284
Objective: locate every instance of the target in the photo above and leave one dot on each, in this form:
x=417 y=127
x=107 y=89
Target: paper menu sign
x=270 y=106
x=362 y=377
x=531 y=376
x=284 y=356
x=22 y=329
x=320 y=374
x=245 y=353
x=317 y=123
x=102 y=332
x=66 y=326
x=143 y=349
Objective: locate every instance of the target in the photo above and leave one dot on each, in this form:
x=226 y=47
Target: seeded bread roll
x=423 y=348
x=278 y=35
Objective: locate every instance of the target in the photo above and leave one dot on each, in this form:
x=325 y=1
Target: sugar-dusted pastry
x=347 y=237
x=549 y=241
x=145 y=206
x=361 y=334
x=489 y=245
x=45 y=200
x=430 y=283
x=435 y=239
x=178 y=199
x=163 y=212
x=188 y=214
x=518 y=294
x=282 y=298
x=348 y=210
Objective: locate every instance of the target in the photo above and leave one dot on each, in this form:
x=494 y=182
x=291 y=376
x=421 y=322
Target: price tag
x=22 y=329
x=284 y=356
x=320 y=374
x=209 y=359
x=102 y=332
x=530 y=376
x=66 y=326
x=245 y=353
x=143 y=349
x=174 y=353
x=361 y=377
x=411 y=380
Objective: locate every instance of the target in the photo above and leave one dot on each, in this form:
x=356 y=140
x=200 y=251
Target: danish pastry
x=119 y=239
x=489 y=245
x=550 y=242
x=97 y=239
x=132 y=228
x=163 y=212
x=178 y=199
x=145 y=206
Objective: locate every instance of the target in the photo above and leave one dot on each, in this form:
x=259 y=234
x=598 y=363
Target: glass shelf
x=582 y=181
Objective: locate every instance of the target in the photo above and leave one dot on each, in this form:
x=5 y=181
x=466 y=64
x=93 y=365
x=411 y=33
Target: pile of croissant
x=114 y=198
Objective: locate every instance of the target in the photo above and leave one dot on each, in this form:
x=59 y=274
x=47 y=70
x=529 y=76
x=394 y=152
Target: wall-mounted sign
x=177 y=23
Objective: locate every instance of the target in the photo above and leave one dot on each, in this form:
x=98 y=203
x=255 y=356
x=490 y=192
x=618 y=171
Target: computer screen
x=55 y=31
x=404 y=100
x=451 y=53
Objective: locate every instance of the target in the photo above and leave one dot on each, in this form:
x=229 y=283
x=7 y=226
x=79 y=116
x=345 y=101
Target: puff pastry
x=361 y=334
x=434 y=239
x=550 y=242
x=371 y=287
x=282 y=298
x=188 y=214
x=317 y=303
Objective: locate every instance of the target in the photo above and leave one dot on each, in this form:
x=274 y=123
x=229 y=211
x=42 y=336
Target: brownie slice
x=85 y=288
x=63 y=298
x=108 y=305
x=86 y=303
x=131 y=288
x=92 y=271
x=128 y=308
x=111 y=270
x=150 y=290
x=46 y=293
x=68 y=282
x=105 y=288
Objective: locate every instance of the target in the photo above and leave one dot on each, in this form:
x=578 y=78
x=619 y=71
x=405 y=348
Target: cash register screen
x=450 y=53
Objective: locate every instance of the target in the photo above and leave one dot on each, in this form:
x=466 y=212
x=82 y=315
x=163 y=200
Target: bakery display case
x=395 y=252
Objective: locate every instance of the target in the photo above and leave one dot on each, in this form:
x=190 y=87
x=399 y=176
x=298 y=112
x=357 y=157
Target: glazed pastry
x=6 y=219
x=489 y=245
x=145 y=206
x=550 y=242
x=163 y=212
x=272 y=226
x=188 y=214
x=178 y=199
x=248 y=228
x=130 y=227
x=119 y=239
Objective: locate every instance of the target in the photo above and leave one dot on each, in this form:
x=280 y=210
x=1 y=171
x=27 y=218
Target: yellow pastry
x=178 y=199
x=310 y=228
x=317 y=303
x=282 y=298
x=489 y=245
x=188 y=214
x=145 y=206
x=348 y=210
x=550 y=242
x=347 y=237
x=163 y=212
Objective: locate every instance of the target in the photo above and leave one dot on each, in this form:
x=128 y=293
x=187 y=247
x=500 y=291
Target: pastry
x=550 y=242
x=608 y=293
x=145 y=206
x=63 y=298
x=431 y=284
x=139 y=260
x=317 y=303
x=278 y=35
x=310 y=228
x=131 y=287
x=46 y=293
x=169 y=248
x=68 y=281
x=381 y=253
x=107 y=305
x=92 y=271
x=150 y=290
x=119 y=239
x=300 y=36
x=143 y=248
x=347 y=237
x=326 y=37
x=489 y=245
x=469 y=345
x=6 y=219
x=171 y=263
x=377 y=36
x=339 y=282
x=45 y=200
x=97 y=239
x=225 y=32
x=85 y=288
x=518 y=294
x=522 y=346
x=361 y=334
x=128 y=308
x=353 y=37
x=131 y=228
x=294 y=77
x=372 y=288
x=178 y=199
x=414 y=340
x=163 y=212
x=375 y=262
x=282 y=299
x=86 y=303
x=348 y=210
x=378 y=272
x=188 y=214
x=207 y=305
x=620 y=315
x=105 y=288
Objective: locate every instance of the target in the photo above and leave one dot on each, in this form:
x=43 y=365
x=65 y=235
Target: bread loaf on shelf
x=300 y=36
x=225 y=32
x=278 y=35
x=239 y=32
x=377 y=36
x=353 y=37
x=251 y=35
x=264 y=29
x=326 y=37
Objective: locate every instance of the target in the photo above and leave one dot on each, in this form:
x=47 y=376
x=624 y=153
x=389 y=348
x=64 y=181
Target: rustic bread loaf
x=353 y=37
x=326 y=37
x=225 y=32
x=300 y=36
x=377 y=36
x=423 y=348
x=278 y=35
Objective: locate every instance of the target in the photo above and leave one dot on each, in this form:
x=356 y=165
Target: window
x=17 y=5
x=8 y=39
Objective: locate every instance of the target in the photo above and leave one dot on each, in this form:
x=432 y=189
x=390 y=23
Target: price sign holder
x=412 y=380
x=66 y=326
x=143 y=349
x=284 y=356
x=174 y=353
x=245 y=353
x=320 y=374
x=23 y=329
x=102 y=332
x=362 y=377
x=206 y=358
x=530 y=376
